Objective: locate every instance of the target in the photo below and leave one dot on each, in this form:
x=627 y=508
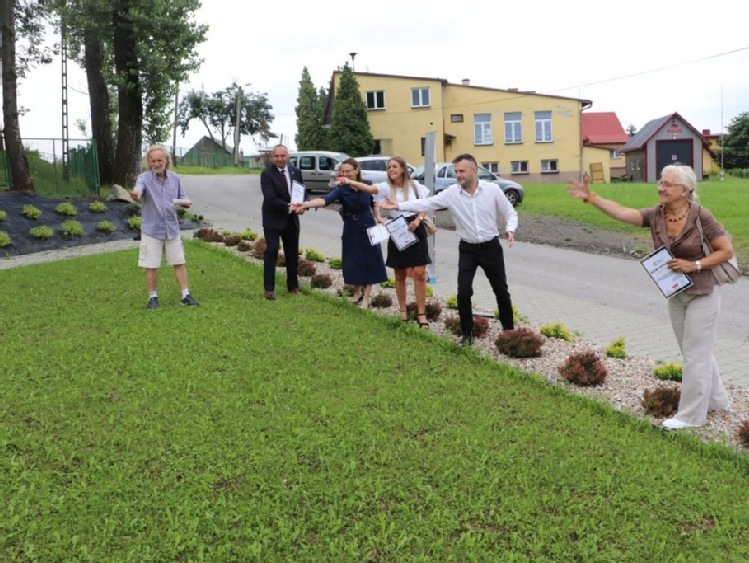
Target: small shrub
x=134 y=222
x=515 y=315
x=31 y=212
x=381 y=300
x=97 y=207
x=244 y=245
x=3 y=215
x=584 y=368
x=307 y=268
x=208 y=235
x=335 y=263
x=42 y=232
x=556 y=330
x=232 y=240
x=668 y=372
x=321 y=281
x=181 y=211
x=429 y=291
x=616 y=349
x=432 y=310
x=347 y=290
x=388 y=284
x=258 y=250
x=5 y=239
x=281 y=260
x=314 y=256
x=662 y=401
x=66 y=208
x=480 y=326
x=106 y=227
x=72 y=228
x=743 y=433
x=132 y=209
x=249 y=234
x=452 y=302
x=452 y=323
x=519 y=343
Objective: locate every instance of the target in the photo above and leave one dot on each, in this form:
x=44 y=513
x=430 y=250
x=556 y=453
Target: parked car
x=373 y=168
x=316 y=167
x=444 y=175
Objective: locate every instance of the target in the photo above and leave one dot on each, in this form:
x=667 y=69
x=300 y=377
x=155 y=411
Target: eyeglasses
x=667 y=185
x=346 y=171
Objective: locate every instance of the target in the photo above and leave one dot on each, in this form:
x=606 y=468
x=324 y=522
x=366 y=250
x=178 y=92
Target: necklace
x=671 y=219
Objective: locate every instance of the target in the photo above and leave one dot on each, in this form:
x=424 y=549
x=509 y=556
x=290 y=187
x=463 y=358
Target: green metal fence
x=52 y=175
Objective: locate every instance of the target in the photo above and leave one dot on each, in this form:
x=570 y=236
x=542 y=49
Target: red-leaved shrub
x=584 y=368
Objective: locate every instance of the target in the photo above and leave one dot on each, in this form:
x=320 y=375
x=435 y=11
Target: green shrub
x=452 y=302
x=72 y=228
x=133 y=222
x=67 y=209
x=314 y=256
x=388 y=284
x=335 y=263
x=519 y=343
x=248 y=234
x=3 y=215
x=616 y=349
x=668 y=372
x=584 y=368
x=429 y=291
x=181 y=211
x=556 y=330
x=321 y=281
x=31 y=212
x=105 y=226
x=381 y=300
x=515 y=315
x=42 y=232
x=662 y=401
x=97 y=207
x=133 y=209
x=743 y=433
x=4 y=239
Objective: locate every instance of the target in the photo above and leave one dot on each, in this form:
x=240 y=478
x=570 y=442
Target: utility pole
x=236 y=126
x=174 y=132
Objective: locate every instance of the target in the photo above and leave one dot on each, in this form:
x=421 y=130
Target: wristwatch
x=698 y=265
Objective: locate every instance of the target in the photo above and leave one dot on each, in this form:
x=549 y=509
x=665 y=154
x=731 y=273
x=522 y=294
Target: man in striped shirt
x=161 y=192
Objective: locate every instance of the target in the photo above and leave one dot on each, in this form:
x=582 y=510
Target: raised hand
x=387 y=204
x=579 y=190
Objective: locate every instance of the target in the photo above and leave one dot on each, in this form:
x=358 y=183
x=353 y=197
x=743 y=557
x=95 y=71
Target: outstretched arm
x=608 y=206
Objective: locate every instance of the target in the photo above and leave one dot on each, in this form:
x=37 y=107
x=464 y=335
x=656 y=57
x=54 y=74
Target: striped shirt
x=158 y=213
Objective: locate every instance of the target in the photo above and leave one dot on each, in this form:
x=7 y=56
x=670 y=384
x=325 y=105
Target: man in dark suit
x=280 y=222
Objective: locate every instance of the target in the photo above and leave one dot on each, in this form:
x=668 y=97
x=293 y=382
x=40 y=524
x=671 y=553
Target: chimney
x=512 y=89
x=466 y=82
x=706 y=132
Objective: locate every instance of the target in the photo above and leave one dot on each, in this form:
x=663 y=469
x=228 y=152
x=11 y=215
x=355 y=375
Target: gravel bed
x=627 y=378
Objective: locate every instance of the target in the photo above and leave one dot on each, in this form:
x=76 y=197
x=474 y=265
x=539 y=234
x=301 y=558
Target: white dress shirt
x=475 y=215
x=415 y=191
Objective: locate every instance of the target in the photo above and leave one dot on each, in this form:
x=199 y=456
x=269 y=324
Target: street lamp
x=353 y=56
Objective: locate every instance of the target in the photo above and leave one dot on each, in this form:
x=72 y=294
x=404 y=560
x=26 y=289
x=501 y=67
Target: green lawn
x=727 y=200
x=309 y=430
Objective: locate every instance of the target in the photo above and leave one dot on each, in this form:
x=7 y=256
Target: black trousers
x=289 y=236
x=489 y=256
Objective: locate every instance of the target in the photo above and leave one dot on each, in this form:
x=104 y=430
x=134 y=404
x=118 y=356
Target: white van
x=316 y=167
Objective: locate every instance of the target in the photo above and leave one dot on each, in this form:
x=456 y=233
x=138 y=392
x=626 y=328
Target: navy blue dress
x=362 y=262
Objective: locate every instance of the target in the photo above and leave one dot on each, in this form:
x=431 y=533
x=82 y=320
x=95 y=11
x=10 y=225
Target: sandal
x=357 y=301
x=422 y=324
x=404 y=315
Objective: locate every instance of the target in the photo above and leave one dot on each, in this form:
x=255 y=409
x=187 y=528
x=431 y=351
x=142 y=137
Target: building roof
x=603 y=128
x=652 y=127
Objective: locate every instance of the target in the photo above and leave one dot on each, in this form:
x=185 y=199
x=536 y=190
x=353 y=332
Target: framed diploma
x=669 y=282
x=398 y=229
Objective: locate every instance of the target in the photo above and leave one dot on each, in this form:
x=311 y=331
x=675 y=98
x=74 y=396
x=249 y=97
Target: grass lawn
x=305 y=429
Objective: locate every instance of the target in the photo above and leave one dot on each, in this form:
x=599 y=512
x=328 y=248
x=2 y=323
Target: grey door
x=678 y=151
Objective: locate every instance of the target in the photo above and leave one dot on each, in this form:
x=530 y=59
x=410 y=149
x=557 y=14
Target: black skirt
x=415 y=255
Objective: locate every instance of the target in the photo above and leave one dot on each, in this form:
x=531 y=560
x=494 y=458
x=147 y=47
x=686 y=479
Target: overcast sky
x=641 y=59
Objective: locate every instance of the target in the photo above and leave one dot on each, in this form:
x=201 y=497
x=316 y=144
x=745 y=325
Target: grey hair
x=686 y=176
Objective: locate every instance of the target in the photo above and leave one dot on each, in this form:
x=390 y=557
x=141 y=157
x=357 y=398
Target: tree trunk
x=19 y=165
x=101 y=126
x=130 y=127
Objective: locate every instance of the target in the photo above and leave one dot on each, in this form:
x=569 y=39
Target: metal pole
x=236 y=127
x=430 y=149
x=174 y=132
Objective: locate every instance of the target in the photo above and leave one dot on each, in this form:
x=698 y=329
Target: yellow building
x=533 y=136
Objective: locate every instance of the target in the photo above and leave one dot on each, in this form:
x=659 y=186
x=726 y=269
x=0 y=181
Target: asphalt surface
x=597 y=297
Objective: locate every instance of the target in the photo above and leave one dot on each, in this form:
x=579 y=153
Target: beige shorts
x=153 y=250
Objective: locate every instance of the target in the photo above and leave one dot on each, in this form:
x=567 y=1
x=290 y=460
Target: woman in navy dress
x=362 y=262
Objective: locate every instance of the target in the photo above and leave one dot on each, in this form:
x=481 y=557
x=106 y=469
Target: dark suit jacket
x=276 y=197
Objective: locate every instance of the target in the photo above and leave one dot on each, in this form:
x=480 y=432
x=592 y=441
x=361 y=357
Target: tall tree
x=736 y=143
x=25 y=19
x=349 y=129
x=309 y=116
x=218 y=113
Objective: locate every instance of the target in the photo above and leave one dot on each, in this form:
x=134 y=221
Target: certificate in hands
x=398 y=229
x=297 y=192
x=669 y=282
x=377 y=234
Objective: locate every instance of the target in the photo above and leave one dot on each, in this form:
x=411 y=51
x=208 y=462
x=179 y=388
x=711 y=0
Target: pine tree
x=349 y=130
x=736 y=143
x=309 y=115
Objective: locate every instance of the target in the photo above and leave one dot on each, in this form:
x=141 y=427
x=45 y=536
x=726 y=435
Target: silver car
x=373 y=169
x=444 y=175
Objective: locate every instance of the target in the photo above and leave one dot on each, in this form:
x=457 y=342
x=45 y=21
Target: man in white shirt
x=475 y=206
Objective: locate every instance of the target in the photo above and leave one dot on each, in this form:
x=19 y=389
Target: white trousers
x=695 y=319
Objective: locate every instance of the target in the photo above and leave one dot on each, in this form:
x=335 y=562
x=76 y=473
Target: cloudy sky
x=641 y=59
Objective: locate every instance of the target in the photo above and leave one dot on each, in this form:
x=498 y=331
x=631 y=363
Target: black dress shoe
x=269 y=295
x=466 y=340
x=295 y=291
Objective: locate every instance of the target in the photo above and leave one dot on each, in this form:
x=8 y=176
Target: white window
x=420 y=98
x=543 y=126
x=550 y=166
x=491 y=166
x=513 y=129
x=615 y=153
x=376 y=99
x=456 y=118
x=482 y=129
x=519 y=166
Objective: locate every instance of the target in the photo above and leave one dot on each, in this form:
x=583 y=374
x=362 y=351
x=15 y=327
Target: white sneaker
x=675 y=424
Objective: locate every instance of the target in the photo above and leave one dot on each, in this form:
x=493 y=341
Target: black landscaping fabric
x=18 y=226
